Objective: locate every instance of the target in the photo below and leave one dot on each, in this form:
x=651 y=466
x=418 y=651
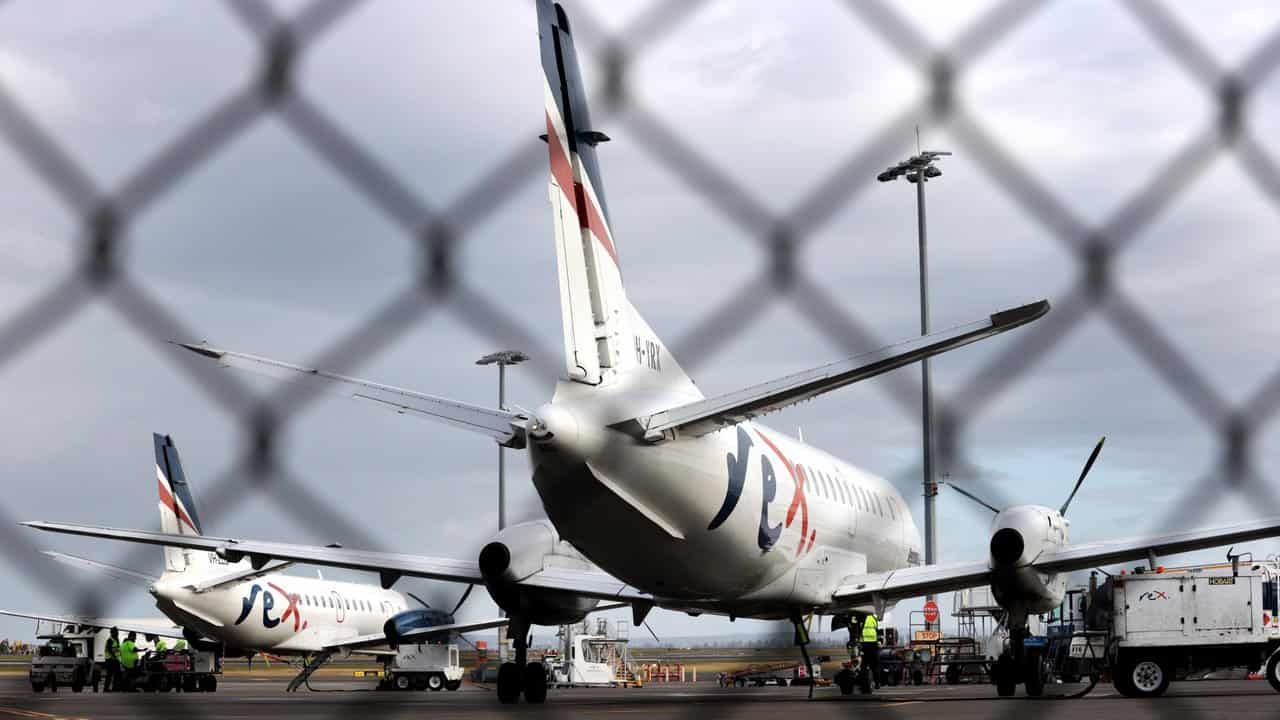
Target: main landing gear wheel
x=1034 y=674
x=1005 y=675
x=845 y=681
x=535 y=683
x=508 y=683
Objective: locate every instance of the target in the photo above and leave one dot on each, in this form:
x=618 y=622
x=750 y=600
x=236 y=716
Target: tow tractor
x=429 y=666
x=63 y=661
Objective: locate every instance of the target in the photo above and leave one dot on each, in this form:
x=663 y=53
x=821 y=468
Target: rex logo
x=737 y=479
x=268 y=604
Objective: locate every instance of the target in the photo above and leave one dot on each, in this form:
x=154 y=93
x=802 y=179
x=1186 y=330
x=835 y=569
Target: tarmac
x=239 y=697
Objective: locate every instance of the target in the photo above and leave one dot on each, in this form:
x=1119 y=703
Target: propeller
x=458 y=606
x=1087 y=467
x=971 y=496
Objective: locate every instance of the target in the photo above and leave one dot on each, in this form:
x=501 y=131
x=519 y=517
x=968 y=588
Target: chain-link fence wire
x=105 y=216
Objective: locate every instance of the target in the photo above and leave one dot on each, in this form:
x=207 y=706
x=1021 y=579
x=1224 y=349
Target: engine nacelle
x=1019 y=535
x=414 y=621
x=521 y=551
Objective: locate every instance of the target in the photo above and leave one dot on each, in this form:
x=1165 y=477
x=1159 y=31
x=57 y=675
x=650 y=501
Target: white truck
x=430 y=666
x=1164 y=625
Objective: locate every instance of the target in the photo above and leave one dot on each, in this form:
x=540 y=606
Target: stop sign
x=931 y=612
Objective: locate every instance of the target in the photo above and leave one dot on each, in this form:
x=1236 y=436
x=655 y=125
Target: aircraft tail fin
x=604 y=336
x=178 y=512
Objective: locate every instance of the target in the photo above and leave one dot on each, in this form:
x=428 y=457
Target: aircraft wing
x=133 y=577
x=917 y=581
x=162 y=628
x=507 y=428
x=911 y=582
x=379 y=640
x=587 y=583
x=705 y=416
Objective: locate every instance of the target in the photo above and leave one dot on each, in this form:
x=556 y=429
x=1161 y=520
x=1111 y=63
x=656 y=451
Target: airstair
x=313 y=664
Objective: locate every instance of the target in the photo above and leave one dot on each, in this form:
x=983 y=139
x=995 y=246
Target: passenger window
x=893 y=512
x=879 y=507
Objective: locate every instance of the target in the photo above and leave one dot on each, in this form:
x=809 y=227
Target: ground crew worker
x=871 y=648
x=180 y=645
x=160 y=645
x=129 y=658
x=111 y=668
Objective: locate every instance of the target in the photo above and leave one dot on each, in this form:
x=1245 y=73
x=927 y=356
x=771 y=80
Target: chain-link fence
x=438 y=232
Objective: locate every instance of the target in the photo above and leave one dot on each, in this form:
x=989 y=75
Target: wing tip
x=201 y=349
x=1020 y=315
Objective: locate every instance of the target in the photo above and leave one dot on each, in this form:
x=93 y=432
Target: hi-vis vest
x=869 y=630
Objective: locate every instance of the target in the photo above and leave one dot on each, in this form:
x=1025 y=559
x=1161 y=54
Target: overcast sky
x=265 y=249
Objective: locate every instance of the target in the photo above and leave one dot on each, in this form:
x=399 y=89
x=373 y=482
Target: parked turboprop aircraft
x=659 y=496
x=248 y=605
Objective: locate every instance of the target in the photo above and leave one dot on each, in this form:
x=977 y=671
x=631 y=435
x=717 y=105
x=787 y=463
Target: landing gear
x=535 y=683
x=521 y=675
x=1033 y=674
x=509 y=683
x=1005 y=675
x=802 y=641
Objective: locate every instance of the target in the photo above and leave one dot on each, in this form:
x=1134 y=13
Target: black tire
x=1035 y=679
x=508 y=683
x=845 y=681
x=535 y=683
x=1005 y=676
x=917 y=677
x=208 y=683
x=952 y=675
x=864 y=681
x=189 y=683
x=435 y=682
x=420 y=682
x=77 y=681
x=37 y=686
x=1273 y=671
x=452 y=685
x=1148 y=676
x=402 y=682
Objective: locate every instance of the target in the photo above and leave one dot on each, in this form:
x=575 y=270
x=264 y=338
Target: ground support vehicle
x=430 y=666
x=782 y=674
x=62 y=661
x=177 y=670
x=1166 y=625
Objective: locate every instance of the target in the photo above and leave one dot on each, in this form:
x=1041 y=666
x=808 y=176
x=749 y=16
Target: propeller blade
x=1087 y=467
x=465 y=594
x=971 y=496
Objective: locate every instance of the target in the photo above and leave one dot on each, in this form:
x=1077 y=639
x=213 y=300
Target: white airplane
x=659 y=496
x=241 y=605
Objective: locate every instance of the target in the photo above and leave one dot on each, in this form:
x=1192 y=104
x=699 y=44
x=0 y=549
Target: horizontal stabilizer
x=705 y=416
x=506 y=428
x=133 y=577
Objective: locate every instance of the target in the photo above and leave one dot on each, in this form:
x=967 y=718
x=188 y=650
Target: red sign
x=931 y=612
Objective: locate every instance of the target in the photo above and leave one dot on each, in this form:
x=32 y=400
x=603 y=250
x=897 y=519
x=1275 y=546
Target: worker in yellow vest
x=871 y=647
x=160 y=645
x=129 y=659
x=111 y=668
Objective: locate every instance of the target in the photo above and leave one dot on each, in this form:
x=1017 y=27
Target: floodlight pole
x=918 y=169
x=926 y=384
